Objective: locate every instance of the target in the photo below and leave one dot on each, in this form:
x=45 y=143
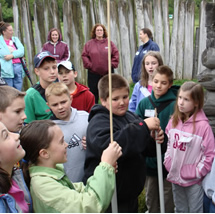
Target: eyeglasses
x=100 y=30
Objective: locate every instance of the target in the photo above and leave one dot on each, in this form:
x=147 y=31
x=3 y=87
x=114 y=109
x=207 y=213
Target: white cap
x=67 y=64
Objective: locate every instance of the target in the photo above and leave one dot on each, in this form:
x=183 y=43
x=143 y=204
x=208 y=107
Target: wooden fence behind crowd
x=179 y=50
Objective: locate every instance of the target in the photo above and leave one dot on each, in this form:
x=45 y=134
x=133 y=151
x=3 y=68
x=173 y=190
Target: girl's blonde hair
x=144 y=77
x=197 y=95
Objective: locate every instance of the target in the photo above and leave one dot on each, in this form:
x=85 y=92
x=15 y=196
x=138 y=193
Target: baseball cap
x=67 y=64
x=38 y=59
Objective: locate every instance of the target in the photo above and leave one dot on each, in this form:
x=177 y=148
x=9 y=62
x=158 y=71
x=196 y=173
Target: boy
x=46 y=69
x=163 y=99
x=132 y=134
x=83 y=99
x=73 y=124
x=12 y=106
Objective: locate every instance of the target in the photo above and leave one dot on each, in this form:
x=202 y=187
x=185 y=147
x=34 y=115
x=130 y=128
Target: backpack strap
x=162 y=106
x=40 y=90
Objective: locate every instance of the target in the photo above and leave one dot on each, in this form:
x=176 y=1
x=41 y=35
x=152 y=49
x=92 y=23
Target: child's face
x=185 y=104
x=14 y=115
x=160 y=85
x=57 y=149
x=10 y=149
x=66 y=76
x=151 y=63
x=61 y=106
x=120 y=100
x=47 y=72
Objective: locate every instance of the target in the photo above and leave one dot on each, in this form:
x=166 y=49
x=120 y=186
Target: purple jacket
x=189 y=155
x=60 y=49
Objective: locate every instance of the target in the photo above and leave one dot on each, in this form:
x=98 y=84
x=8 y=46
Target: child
x=190 y=150
x=12 y=106
x=50 y=188
x=209 y=191
x=143 y=88
x=130 y=131
x=35 y=101
x=14 y=194
x=163 y=99
x=83 y=99
x=74 y=124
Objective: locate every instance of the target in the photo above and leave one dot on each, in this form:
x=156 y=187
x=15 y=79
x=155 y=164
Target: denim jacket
x=8 y=203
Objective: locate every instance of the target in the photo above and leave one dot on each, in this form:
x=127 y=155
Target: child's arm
x=29 y=109
x=133 y=100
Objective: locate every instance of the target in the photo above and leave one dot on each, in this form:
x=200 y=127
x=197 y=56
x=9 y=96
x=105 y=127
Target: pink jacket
x=95 y=56
x=189 y=156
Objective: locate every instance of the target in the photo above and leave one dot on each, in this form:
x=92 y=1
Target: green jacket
x=52 y=191
x=35 y=105
x=164 y=116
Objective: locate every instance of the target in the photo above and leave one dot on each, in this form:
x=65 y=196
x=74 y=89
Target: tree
x=7 y=11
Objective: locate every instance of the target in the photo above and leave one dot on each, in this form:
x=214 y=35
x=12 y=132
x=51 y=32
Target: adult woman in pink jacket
x=95 y=57
x=56 y=46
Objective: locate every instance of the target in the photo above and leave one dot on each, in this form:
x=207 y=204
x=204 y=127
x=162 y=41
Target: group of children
x=57 y=132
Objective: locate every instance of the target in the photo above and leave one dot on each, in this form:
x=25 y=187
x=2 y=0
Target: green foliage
x=7 y=11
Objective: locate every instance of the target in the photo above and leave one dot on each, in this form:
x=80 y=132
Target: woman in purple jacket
x=56 y=46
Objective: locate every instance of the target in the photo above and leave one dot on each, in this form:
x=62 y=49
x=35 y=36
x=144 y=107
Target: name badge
x=185 y=139
x=149 y=113
x=137 y=53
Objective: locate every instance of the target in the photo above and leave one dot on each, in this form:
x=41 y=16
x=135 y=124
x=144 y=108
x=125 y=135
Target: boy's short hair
x=118 y=82
x=57 y=89
x=164 y=70
x=7 y=95
x=41 y=57
x=66 y=64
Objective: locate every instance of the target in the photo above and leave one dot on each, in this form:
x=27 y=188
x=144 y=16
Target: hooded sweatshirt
x=190 y=150
x=133 y=135
x=74 y=130
x=60 y=49
x=82 y=99
x=95 y=56
x=164 y=116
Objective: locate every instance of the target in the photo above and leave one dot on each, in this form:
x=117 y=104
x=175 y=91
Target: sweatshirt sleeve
x=208 y=147
x=49 y=195
x=29 y=108
x=20 y=49
x=66 y=54
x=85 y=57
x=114 y=56
x=133 y=100
x=141 y=109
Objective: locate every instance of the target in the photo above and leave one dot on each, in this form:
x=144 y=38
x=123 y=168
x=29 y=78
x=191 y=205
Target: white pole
x=160 y=173
x=114 y=205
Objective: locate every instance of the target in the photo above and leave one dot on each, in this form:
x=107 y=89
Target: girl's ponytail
x=5 y=181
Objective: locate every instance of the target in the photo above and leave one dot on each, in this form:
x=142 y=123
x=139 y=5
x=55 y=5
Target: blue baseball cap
x=38 y=59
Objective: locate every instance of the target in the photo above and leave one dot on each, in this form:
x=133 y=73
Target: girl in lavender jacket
x=143 y=87
x=190 y=150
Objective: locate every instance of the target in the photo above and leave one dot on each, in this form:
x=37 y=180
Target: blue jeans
x=17 y=81
x=208 y=206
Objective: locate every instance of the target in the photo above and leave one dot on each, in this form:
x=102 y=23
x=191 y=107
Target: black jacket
x=133 y=135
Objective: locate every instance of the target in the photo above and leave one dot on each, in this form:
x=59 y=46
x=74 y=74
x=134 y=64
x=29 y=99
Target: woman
x=148 y=44
x=95 y=57
x=56 y=46
x=11 y=49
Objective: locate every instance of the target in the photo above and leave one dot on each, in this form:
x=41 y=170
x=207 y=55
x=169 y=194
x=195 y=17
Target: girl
x=51 y=189
x=148 y=45
x=143 y=87
x=190 y=150
x=14 y=194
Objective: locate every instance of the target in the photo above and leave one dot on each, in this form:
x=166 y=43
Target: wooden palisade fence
x=179 y=50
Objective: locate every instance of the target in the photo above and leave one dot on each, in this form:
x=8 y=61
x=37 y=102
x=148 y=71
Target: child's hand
x=112 y=153
x=153 y=123
x=160 y=135
x=84 y=142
